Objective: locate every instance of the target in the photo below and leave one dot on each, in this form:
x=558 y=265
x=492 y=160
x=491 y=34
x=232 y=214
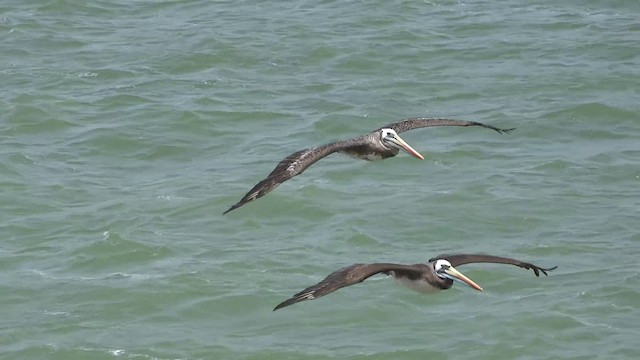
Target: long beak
x=458 y=276
x=403 y=144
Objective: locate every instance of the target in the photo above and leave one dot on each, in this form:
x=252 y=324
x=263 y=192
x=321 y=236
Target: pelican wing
x=414 y=123
x=461 y=259
x=293 y=165
x=347 y=276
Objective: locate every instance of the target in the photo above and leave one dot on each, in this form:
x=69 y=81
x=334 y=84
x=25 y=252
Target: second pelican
x=379 y=144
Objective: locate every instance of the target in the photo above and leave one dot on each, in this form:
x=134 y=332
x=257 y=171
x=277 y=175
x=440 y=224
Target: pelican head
x=444 y=270
x=390 y=138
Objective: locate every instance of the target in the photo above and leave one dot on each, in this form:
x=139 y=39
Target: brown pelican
x=379 y=144
x=437 y=274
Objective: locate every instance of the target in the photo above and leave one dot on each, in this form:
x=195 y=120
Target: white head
x=445 y=270
x=386 y=132
x=440 y=266
x=390 y=138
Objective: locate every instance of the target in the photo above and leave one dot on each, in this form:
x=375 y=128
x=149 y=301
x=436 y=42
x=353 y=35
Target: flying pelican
x=437 y=274
x=379 y=144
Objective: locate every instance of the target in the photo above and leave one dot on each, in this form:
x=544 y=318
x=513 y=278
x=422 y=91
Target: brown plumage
x=379 y=144
x=415 y=123
x=433 y=276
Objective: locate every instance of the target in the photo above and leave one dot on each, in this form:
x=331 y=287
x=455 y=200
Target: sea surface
x=127 y=127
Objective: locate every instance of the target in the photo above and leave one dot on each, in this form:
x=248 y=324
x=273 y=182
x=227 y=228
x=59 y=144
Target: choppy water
x=128 y=127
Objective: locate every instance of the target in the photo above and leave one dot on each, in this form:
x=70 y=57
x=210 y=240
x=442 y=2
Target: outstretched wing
x=347 y=276
x=461 y=259
x=291 y=166
x=414 y=123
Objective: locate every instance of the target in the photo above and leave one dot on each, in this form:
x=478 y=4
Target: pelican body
x=380 y=144
x=438 y=274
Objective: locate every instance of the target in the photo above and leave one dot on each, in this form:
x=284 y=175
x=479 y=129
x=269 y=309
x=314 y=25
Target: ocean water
x=128 y=127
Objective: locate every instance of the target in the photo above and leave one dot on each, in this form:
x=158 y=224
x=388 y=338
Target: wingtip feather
x=233 y=207
x=285 y=303
x=548 y=269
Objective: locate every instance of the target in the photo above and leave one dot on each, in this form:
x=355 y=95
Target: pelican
x=437 y=274
x=379 y=144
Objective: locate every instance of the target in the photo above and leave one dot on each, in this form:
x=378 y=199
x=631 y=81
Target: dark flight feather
x=289 y=167
x=461 y=259
x=414 y=123
x=347 y=276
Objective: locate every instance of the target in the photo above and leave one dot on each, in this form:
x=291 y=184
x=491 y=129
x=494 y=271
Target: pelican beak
x=403 y=144
x=456 y=275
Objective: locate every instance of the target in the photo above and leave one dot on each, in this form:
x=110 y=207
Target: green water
x=128 y=127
